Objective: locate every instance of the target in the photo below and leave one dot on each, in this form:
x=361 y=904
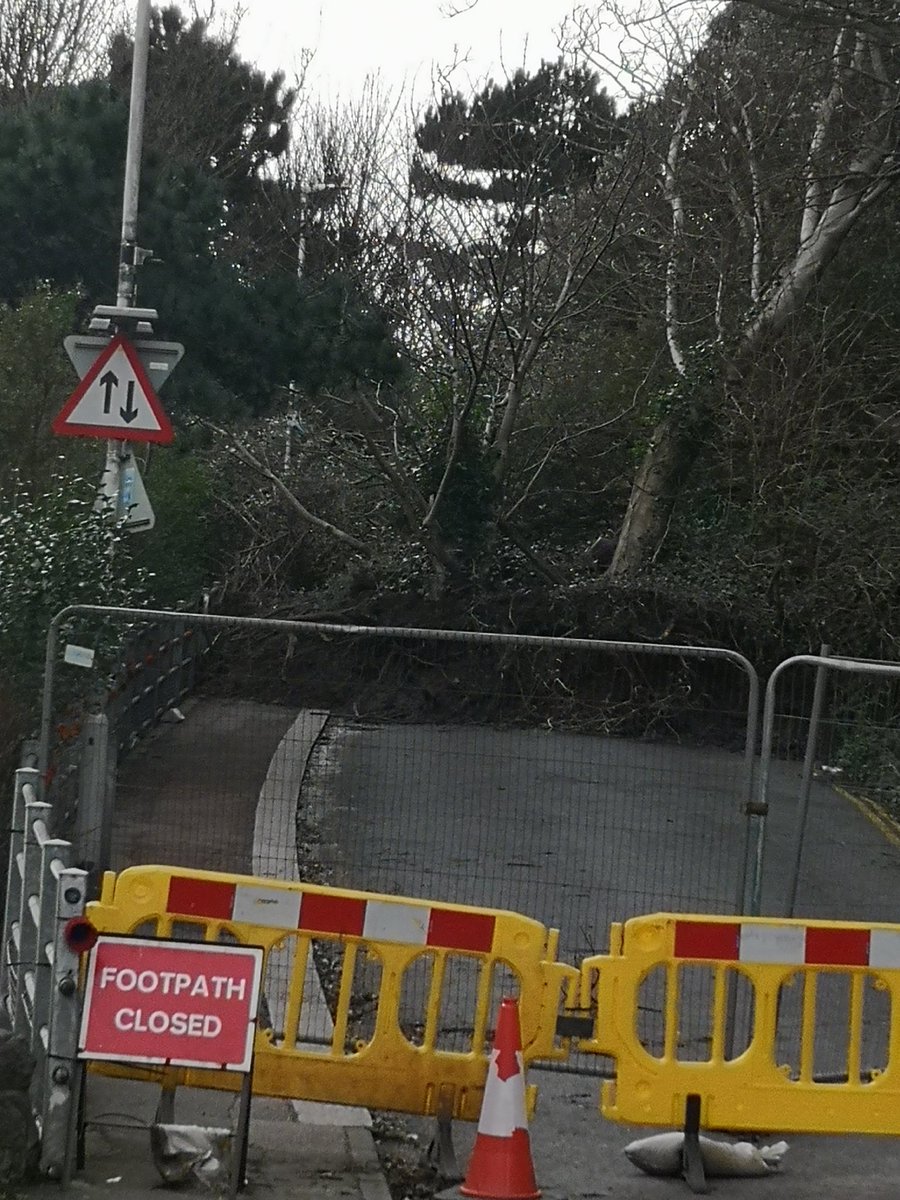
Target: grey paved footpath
x=219 y=791
x=188 y=793
x=291 y=1153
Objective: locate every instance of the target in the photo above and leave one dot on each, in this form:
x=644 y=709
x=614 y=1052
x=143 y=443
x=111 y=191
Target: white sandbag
x=661 y=1154
x=191 y=1153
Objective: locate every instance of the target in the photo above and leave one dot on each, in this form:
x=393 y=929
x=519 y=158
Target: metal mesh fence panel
x=578 y=783
x=578 y=786
x=574 y=829
x=111 y=682
x=833 y=793
x=859 y=737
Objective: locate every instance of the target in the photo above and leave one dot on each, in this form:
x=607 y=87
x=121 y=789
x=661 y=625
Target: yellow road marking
x=884 y=823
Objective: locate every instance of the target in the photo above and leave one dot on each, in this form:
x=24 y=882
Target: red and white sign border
x=164 y=435
x=214 y=948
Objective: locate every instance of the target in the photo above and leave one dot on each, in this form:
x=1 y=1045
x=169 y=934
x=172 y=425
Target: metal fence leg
x=61 y=1090
x=35 y=810
x=441 y=1152
x=10 y=958
x=90 y=834
x=692 y=1157
x=241 y=1138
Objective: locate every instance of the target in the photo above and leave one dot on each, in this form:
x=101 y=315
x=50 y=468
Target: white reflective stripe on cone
x=505 y=1111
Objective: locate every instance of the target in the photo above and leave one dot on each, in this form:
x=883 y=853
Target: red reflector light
x=80 y=935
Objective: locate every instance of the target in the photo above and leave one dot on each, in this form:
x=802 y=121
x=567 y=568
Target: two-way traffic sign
x=115 y=399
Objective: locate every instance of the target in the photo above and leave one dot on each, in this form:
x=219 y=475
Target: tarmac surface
x=220 y=790
x=295 y=1150
x=552 y=836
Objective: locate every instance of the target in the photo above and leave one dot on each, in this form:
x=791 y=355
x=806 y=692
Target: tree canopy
x=532 y=340
x=236 y=298
x=550 y=129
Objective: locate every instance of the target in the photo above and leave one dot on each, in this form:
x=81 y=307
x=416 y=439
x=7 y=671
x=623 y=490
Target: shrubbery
x=55 y=550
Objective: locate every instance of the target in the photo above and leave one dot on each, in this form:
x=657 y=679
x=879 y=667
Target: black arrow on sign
x=109 y=381
x=129 y=412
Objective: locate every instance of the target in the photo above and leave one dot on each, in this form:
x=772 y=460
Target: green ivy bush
x=55 y=550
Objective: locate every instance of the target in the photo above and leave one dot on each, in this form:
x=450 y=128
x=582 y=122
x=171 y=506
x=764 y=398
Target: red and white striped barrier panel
x=313 y=912
x=789 y=944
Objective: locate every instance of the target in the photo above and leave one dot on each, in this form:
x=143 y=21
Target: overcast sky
x=398 y=39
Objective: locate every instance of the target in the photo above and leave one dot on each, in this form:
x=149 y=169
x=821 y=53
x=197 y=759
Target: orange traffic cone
x=500 y=1167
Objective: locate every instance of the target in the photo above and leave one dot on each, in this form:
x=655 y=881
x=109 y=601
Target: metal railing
x=38 y=970
x=158 y=669
x=78 y=755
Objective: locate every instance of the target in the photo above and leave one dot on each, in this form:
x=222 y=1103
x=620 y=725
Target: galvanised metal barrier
x=401 y=948
x=813 y=992
x=38 y=970
x=157 y=670
x=532 y=773
x=826 y=667
x=78 y=754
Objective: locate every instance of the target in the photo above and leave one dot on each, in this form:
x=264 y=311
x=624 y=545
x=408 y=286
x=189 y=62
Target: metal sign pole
x=125 y=295
x=130 y=194
x=241 y=1141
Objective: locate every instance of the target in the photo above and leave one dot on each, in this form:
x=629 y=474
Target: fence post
x=156 y=671
x=809 y=758
x=178 y=661
x=54 y=858
x=91 y=835
x=10 y=973
x=29 y=913
x=192 y=635
x=29 y=754
x=60 y=1086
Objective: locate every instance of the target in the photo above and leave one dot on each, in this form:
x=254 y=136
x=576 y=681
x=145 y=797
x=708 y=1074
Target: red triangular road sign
x=115 y=400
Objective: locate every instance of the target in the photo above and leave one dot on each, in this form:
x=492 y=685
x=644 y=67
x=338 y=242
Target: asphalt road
x=576 y=832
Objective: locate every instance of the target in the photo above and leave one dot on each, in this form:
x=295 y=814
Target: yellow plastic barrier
x=773 y=997
x=447 y=959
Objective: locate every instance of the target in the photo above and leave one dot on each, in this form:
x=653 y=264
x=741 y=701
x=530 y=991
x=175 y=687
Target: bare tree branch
x=240 y=451
x=46 y=43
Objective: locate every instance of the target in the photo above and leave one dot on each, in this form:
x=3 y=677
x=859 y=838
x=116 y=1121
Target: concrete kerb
x=297 y=1148
x=275 y=857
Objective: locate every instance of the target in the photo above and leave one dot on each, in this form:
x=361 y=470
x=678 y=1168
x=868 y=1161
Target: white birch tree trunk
x=829 y=215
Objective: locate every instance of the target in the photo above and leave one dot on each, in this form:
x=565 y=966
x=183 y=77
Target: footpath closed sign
x=186 y=1004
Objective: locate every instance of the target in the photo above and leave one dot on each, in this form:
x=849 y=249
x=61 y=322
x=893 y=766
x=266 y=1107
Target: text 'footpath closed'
x=152 y=1000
